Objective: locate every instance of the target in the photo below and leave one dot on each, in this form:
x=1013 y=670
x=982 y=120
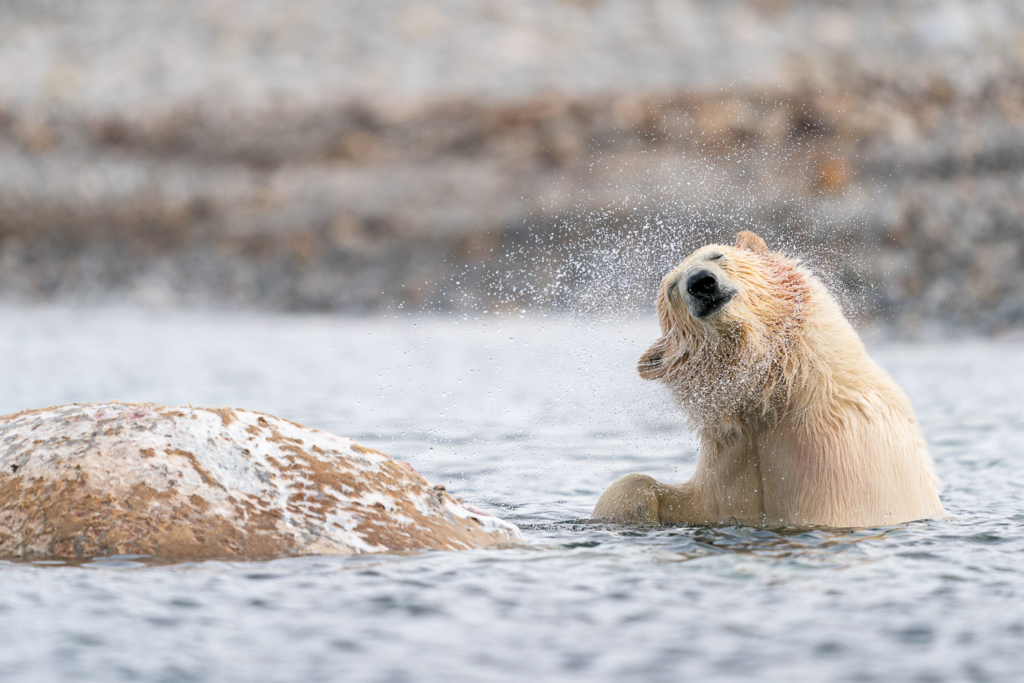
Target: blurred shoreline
x=336 y=157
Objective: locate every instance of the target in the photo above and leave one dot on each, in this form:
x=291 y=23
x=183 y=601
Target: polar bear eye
x=715 y=257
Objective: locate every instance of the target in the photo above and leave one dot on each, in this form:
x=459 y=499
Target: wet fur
x=798 y=426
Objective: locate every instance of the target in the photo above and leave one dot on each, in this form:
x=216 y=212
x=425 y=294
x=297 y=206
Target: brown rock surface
x=88 y=480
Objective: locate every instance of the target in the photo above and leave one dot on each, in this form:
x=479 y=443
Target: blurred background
x=338 y=155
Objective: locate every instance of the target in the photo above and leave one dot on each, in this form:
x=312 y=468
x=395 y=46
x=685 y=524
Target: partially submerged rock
x=190 y=483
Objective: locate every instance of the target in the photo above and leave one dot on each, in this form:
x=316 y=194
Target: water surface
x=529 y=418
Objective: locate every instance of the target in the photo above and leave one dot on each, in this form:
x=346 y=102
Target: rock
x=89 y=480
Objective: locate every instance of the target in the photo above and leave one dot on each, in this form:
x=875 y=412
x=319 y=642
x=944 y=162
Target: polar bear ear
x=751 y=242
x=653 y=364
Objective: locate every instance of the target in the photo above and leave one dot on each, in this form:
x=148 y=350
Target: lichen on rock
x=89 y=480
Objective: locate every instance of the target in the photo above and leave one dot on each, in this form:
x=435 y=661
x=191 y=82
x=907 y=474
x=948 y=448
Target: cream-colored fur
x=798 y=426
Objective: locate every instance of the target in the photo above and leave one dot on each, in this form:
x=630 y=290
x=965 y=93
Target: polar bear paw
x=633 y=499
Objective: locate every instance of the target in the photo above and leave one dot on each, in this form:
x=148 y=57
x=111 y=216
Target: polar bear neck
x=724 y=382
x=740 y=374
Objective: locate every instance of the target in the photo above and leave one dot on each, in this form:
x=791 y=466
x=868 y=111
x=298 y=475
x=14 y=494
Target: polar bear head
x=730 y=319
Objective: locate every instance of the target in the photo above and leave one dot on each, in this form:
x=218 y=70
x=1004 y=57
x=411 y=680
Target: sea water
x=529 y=418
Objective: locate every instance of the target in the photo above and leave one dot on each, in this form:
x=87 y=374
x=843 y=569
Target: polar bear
x=797 y=425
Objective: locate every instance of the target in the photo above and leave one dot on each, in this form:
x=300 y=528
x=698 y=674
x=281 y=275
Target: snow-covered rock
x=187 y=483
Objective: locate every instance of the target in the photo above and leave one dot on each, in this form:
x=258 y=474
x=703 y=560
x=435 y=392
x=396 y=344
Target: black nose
x=702 y=285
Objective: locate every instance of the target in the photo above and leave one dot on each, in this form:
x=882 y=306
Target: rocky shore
x=332 y=156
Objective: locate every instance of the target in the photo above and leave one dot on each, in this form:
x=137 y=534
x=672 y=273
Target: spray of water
x=639 y=209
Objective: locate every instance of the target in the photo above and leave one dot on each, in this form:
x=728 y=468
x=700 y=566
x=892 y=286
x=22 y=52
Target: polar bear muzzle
x=705 y=293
